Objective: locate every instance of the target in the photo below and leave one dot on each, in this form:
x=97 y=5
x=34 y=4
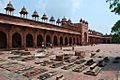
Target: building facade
x=21 y=32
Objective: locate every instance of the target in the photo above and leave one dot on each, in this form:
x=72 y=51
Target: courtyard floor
x=110 y=72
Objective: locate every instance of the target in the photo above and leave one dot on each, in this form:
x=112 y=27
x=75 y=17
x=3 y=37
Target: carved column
x=9 y=39
x=24 y=40
x=35 y=39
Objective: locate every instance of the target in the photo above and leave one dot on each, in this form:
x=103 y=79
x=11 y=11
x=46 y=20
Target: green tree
x=116 y=32
x=115 y=7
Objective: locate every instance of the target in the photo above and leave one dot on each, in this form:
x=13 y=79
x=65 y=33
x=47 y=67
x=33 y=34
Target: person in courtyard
x=43 y=46
x=51 y=45
x=61 y=46
x=73 y=47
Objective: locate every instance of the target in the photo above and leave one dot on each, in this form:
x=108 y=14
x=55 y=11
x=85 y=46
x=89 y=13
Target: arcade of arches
x=18 y=40
x=23 y=33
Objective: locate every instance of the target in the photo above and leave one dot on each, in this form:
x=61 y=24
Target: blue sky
x=96 y=12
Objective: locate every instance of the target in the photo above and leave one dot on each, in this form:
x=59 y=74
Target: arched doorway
x=85 y=38
x=16 y=40
x=48 y=40
x=108 y=41
x=61 y=40
x=66 y=41
x=29 y=40
x=3 y=40
x=77 y=41
x=55 y=41
x=70 y=41
x=73 y=41
x=39 y=40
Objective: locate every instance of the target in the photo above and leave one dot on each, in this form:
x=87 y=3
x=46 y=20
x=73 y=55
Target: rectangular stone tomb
x=93 y=72
x=60 y=58
x=80 y=53
x=47 y=75
x=80 y=68
x=93 y=66
x=80 y=61
x=56 y=65
x=89 y=62
x=24 y=69
x=61 y=77
x=28 y=58
x=45 y=63
x=34 y=72
x=67 y=49
x=12 y=66
x=19 y=58
x=67 y=58
x=9 y=64
x=70 y=60
x=68 y=66
x=21 y=53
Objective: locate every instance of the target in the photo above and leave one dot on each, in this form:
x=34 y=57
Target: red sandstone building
x=20 y=32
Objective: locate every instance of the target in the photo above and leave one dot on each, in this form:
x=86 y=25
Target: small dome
x=64 y=19
x=69 y=21
x=35 y=14
x=52 y=19
x=81 y=20
x=44 y=17
x=58 y=21
x=9 y=7
x=86 y=22
x=23 y=11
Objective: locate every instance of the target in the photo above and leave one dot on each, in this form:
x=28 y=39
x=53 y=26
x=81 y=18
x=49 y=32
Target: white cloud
x=76 y=5
x=42 y=4
x=0 y=4
x=61 y=7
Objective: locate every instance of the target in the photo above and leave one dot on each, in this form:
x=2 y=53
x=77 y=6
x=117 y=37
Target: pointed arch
x=3 y=40
x=16 y=40
x=29 y=40
x=39 y=40
x=55 y=41
x=66 y=41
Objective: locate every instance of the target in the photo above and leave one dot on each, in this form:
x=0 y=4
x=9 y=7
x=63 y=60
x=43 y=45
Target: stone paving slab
x=109 y=72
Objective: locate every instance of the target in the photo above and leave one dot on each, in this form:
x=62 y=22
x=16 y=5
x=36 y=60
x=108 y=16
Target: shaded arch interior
x=3 y=40
x=16 y=40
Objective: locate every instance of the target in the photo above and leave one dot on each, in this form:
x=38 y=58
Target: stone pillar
x=63 y=41
x=24 y=40
x=9 y=42
x=44 y=38
x=58 y=40
x=52 y=39
x=7 y=38
x=35 y=40
x=76 y=40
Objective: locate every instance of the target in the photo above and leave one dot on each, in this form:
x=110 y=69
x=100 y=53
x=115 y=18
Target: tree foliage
x=116 y=32
x=115 y=7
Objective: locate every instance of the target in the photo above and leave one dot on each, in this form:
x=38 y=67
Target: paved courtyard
x=109 y=72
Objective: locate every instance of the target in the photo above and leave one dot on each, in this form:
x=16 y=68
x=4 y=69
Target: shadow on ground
x=112 y=66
